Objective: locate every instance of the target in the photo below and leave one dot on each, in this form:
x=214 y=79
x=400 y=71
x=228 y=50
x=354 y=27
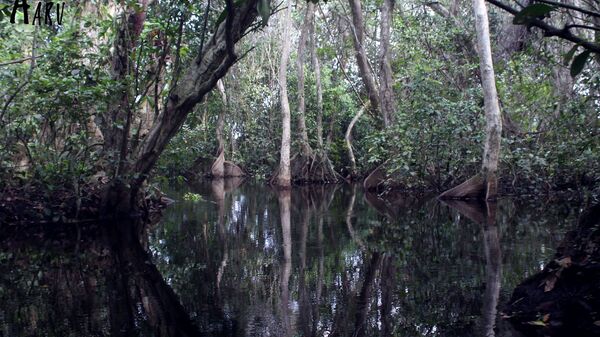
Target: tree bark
x=116 y=122
x=317 y=69
x=484 y=184
x=197 y=79
x=365 y=70
x=284 y=175
x=218 y=168
x=386 y=81
x=304 y=144
x=493 y=118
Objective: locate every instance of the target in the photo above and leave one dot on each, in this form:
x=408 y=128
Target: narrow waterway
x=241 y=259
x=334 y=261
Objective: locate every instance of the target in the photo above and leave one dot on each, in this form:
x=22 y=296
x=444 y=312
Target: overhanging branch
x=550 y=30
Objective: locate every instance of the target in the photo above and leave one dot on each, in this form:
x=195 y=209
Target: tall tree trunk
x=116 y=122
x=484 y=184
x=386 y=81
x=358 y=38
x=218 y=168
x=284 y=175
x=304 y=144
x=317 y=69
x=493 y=118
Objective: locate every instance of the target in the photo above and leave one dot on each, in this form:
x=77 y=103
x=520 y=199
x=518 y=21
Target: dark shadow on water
x=98 y=280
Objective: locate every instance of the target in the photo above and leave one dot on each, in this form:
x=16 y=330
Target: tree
x=382 y=96
x=484 y=184
x=581 y=34
x=358 y=39
x=305 y=148
x=283 y=176
x=189 y=86
x=218 y=168
x=386 y=81
x=310 y=166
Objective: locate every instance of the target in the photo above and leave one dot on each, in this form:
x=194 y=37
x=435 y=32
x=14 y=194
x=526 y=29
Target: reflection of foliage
x=51 y=287
x=427 y=262
x=189 y=196
x=438 y=258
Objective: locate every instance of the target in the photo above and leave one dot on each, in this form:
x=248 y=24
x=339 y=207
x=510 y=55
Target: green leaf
x=532 y=12
x=579 y=62
x=264 y=9
x=569 y=56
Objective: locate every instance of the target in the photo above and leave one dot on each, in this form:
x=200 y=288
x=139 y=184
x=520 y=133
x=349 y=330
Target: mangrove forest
x=307 y=168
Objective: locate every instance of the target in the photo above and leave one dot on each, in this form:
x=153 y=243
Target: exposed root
x=313 y=169
x=375 y=180
x=474 y=188
x=222 y=168
x=232 y=170
x=217 y=169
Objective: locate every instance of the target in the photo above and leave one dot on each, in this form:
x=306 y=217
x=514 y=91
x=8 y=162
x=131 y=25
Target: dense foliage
x=56 y=81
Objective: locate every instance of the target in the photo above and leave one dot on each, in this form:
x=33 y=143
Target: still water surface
x=245 y=260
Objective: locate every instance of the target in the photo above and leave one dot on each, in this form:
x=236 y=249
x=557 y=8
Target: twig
x=19 y=60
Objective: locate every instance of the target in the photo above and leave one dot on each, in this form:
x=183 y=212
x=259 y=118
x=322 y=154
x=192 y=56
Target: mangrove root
x=376 y=179
x=474 y=188
x=313 y=169
x=222 y=168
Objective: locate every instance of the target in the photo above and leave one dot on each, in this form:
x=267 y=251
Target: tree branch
x=550 y=30
x=568 y=6
x=21 y=60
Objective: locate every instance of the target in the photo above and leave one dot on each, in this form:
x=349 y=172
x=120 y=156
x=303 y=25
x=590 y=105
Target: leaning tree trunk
x=493 y=118
x=187 y=90
x=348 y=139
x=365 y=71
x=284 y=178
x=484 y=184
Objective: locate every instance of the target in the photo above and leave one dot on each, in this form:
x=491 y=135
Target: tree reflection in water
x=92 y=282
x=250 y=261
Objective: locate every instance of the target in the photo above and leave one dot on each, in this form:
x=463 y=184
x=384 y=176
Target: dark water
x=248 y=261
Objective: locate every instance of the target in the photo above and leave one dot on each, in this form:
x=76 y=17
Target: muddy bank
x=564 y=298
